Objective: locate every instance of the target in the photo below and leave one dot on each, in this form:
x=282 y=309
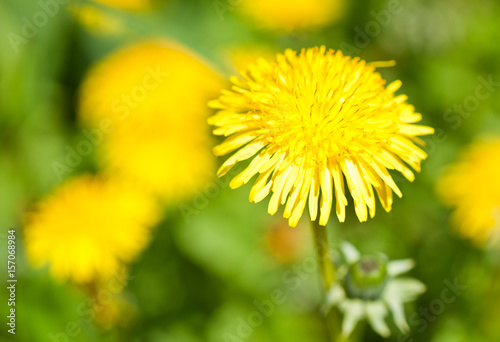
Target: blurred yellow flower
x=168 y=158
x=89 y=228
x=154 y=95
x=472 y=187
x=307 y=120
x=157 y=78
x=292 y=15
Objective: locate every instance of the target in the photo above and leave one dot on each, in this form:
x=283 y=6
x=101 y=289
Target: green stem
x=321 y=245
x=327 y=269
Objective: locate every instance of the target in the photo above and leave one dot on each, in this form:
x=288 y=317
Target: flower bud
x=367 y=277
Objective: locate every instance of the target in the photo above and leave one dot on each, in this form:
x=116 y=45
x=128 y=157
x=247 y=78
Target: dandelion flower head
x=153 y=77
x=472 y=187
x=89 y=228
x=154 y=93
x=306 y=121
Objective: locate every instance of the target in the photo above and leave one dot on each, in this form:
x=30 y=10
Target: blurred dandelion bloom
x=168 y=158
x=292 y=15
x=89 y=228
x=369 y=287
x=154 y=94
x=158 y=78
x=307 y=121
x=472 y=187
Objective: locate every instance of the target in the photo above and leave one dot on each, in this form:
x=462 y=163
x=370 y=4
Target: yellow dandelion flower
x=472 y=187
x=309 y=120
x=292 y=15
x=89 y=228
x=156 y=77
x=170 y=159
x=154 y=94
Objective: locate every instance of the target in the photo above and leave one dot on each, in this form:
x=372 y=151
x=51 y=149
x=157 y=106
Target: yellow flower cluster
x=151 y=97
x=155 y=95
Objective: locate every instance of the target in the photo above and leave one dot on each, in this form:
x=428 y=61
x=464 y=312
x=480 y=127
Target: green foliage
x=199 y=279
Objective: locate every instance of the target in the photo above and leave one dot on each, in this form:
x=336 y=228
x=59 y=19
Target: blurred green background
x=197 y=279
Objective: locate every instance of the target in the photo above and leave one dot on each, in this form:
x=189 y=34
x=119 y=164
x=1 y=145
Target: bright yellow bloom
x=89 y=228
x=154 y=94
x=168 y=158
x=308 y=120
x=157 y=78
x=292 y=15
x=472 y=187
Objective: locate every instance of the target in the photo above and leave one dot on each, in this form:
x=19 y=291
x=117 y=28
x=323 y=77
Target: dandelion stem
x=327 y=274
x=321 y=246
